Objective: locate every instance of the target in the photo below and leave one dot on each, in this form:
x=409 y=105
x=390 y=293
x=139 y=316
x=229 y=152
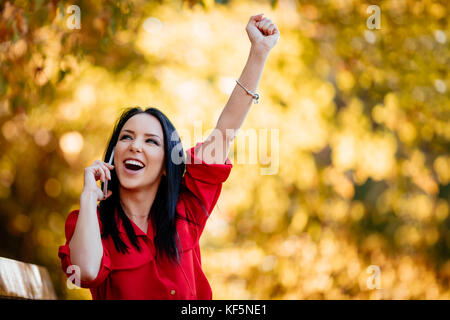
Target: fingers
x=101 y=170
x=256 y=17
x=266 y=25
x=108 y=195
x=102 y=197
x=272 y=28
x=106 y=170
x=99 y=173
x=263 y=23
x=110 y=166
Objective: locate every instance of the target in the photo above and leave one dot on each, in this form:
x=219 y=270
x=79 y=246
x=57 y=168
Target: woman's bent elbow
x=88 y=273
x=88 y=265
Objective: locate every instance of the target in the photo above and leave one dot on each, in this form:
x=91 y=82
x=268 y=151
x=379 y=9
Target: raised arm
x=263 y=35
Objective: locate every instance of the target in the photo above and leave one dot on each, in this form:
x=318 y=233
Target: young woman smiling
x=142 y=240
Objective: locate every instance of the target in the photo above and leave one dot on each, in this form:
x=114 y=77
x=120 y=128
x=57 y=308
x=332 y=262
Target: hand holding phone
x=99 y=170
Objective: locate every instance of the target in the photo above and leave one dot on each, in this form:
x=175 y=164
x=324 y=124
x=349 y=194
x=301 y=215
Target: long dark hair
x=163 y=212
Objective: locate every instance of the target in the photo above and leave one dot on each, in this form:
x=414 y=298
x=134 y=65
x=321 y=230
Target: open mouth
x=133 y=165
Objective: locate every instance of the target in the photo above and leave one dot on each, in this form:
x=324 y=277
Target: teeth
x=137 y=163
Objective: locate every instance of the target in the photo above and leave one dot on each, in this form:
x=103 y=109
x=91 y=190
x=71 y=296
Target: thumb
x=108 y=194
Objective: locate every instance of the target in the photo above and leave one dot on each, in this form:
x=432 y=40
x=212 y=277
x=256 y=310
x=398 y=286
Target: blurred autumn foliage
x=363 y=149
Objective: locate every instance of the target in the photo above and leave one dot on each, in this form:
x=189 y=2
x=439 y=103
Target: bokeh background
x=363 y=117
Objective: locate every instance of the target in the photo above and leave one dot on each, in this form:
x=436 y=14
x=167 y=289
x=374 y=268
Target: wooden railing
x=19 y=280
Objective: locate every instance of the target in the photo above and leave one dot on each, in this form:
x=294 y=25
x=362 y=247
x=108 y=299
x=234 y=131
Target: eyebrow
x=145 y=134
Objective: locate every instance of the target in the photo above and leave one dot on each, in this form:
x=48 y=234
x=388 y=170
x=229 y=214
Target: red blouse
x=138 y=275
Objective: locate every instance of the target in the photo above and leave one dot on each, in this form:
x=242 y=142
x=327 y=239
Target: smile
x=133 y=166
x=133 y=172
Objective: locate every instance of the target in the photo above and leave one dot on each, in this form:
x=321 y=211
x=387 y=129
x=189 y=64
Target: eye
x=125 y=136
x=154 y=141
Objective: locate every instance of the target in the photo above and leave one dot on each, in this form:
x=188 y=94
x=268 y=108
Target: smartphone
x=105 y=184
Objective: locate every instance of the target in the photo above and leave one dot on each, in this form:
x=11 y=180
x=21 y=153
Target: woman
x=142 y=241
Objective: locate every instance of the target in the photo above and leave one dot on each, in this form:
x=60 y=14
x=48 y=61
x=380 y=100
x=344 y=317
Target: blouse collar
x=137 y=230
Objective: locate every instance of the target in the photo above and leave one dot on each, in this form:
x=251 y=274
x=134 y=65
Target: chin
x=129 y=184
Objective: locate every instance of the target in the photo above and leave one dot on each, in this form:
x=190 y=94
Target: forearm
x=86 y=248
x=263 y=36
x=239 y=103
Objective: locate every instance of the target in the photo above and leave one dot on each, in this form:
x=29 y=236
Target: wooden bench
x=19 y=280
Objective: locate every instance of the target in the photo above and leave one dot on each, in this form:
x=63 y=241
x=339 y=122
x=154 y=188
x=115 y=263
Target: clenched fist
x=262 y=32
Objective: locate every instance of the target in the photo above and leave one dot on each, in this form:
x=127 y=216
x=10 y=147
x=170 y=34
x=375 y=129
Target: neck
x=137 y=203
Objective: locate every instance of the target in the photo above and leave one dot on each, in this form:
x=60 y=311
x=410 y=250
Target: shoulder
x=71 y=222
x=197 y=169
x=73 y=216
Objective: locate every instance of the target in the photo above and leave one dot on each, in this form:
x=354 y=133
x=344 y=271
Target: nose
x=136 y=146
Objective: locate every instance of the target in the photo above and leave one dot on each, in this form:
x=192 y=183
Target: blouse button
x=172 y=292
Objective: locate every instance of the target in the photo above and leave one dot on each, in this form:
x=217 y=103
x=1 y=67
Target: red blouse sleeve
x=64 y=254
x=204 y=181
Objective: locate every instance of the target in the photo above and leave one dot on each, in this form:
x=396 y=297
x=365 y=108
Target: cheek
x=120 y=149
x=159 y=158
x=156 y=159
